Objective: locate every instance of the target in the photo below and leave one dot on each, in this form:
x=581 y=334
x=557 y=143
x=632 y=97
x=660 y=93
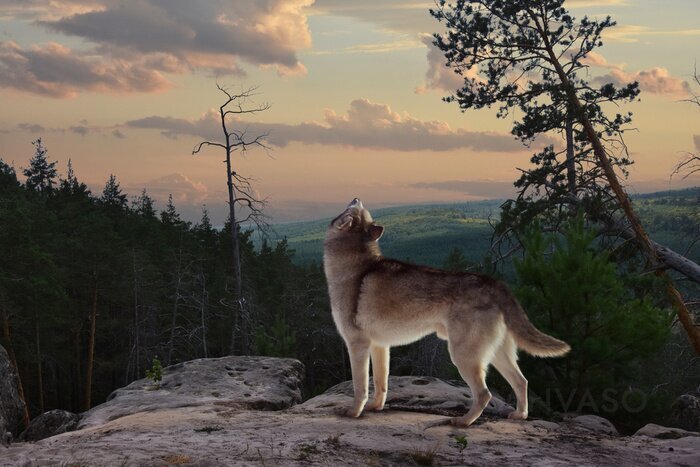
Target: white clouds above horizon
x=655 y=80
x=365 y=125
x=439 y=76
x=131 y=46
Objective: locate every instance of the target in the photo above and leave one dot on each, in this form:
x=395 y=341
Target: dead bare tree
x=240 y=192
x=690 y=162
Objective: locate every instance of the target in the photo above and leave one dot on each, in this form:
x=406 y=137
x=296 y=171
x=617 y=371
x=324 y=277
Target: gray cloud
x=482 y=188
x=131 y=45
x=439 y=77
x=57 y=71
x=365 y=125
x=655 y=80
x=202 y=34
x=81 y=130
x=30 y=127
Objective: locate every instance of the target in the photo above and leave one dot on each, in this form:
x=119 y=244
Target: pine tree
x=170 y=215
x=70 y=185
x=112 y=194
x=571 y=289
x=8 y=176
x=143 y=205
x=41 y=174
x=456 y=261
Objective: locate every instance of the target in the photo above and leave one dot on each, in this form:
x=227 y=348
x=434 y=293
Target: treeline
x=94 y=286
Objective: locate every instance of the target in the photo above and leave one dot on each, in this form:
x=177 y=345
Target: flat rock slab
x=413 y=393
x=214 y=436
x=260 y=383
x=185 y=424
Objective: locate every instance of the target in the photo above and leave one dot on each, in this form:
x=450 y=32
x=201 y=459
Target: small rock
x=545 y=424
x=596 y=424
x=685 y=412
x=663 y=432
x=51 y=423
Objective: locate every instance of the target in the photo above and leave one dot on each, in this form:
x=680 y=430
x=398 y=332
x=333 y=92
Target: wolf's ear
x=344 y=223
x=375 y=232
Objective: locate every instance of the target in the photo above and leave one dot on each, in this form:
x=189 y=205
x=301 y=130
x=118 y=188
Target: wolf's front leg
x=359 y=362
x=380 y=375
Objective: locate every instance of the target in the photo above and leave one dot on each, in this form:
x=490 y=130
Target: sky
x=355 y=92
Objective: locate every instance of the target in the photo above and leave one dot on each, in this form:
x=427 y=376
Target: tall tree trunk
x=39 y=371
x=78 y=374
x=684 y=316
x=171 y=344
x=136 y=318
x=202 y=312
x=570 y=156
x=7 y=334
x=238 y=286
x=87 y=396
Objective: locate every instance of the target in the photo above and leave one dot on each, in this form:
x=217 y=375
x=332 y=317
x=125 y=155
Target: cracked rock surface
x=247 y=411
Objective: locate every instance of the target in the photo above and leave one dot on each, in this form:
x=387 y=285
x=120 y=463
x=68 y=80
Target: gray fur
x=378 y=303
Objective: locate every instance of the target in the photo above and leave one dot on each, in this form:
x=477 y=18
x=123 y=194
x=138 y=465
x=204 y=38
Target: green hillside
x=426 y=234
x=421 y=234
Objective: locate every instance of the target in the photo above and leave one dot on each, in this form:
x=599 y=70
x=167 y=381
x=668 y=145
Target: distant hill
x=426 y=234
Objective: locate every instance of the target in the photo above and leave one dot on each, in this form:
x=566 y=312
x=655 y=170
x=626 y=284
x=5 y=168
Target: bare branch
x=199 y=146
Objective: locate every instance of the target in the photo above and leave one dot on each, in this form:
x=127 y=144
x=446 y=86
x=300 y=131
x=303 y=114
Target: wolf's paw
x=515 y=415
x=374 y=406
x=461 y=422
x=350 y=412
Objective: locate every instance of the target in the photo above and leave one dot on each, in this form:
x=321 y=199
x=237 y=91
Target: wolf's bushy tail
x=527 y=336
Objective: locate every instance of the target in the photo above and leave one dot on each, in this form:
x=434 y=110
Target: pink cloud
x=131 y=45
x=655 y=80
x=439 y=77
x=364 y=125
x=56 y=71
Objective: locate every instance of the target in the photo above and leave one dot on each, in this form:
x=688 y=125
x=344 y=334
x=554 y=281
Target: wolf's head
x=355 y=225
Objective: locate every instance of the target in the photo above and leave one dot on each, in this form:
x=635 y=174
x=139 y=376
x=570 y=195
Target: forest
x=97 y=288
x=94 y=286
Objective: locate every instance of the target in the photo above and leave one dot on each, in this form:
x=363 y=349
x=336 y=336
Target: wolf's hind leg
x=380 y=375
x=359 y=363
x=506 y=362
x=470 y=361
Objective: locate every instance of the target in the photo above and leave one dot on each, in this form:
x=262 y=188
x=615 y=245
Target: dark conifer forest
x=94 y=286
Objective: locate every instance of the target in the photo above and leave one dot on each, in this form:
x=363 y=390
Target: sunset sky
x=355 y=88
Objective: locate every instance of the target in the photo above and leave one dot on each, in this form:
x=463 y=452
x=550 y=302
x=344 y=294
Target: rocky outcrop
x=11 y=404
x=685 y=413
x=51 y=423
x=596 y=424
x=243 y=417
x=663 y=432
x=412 y=393
x=228 y=383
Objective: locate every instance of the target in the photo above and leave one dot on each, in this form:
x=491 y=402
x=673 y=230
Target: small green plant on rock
x=155 y=374
x=462 y=442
